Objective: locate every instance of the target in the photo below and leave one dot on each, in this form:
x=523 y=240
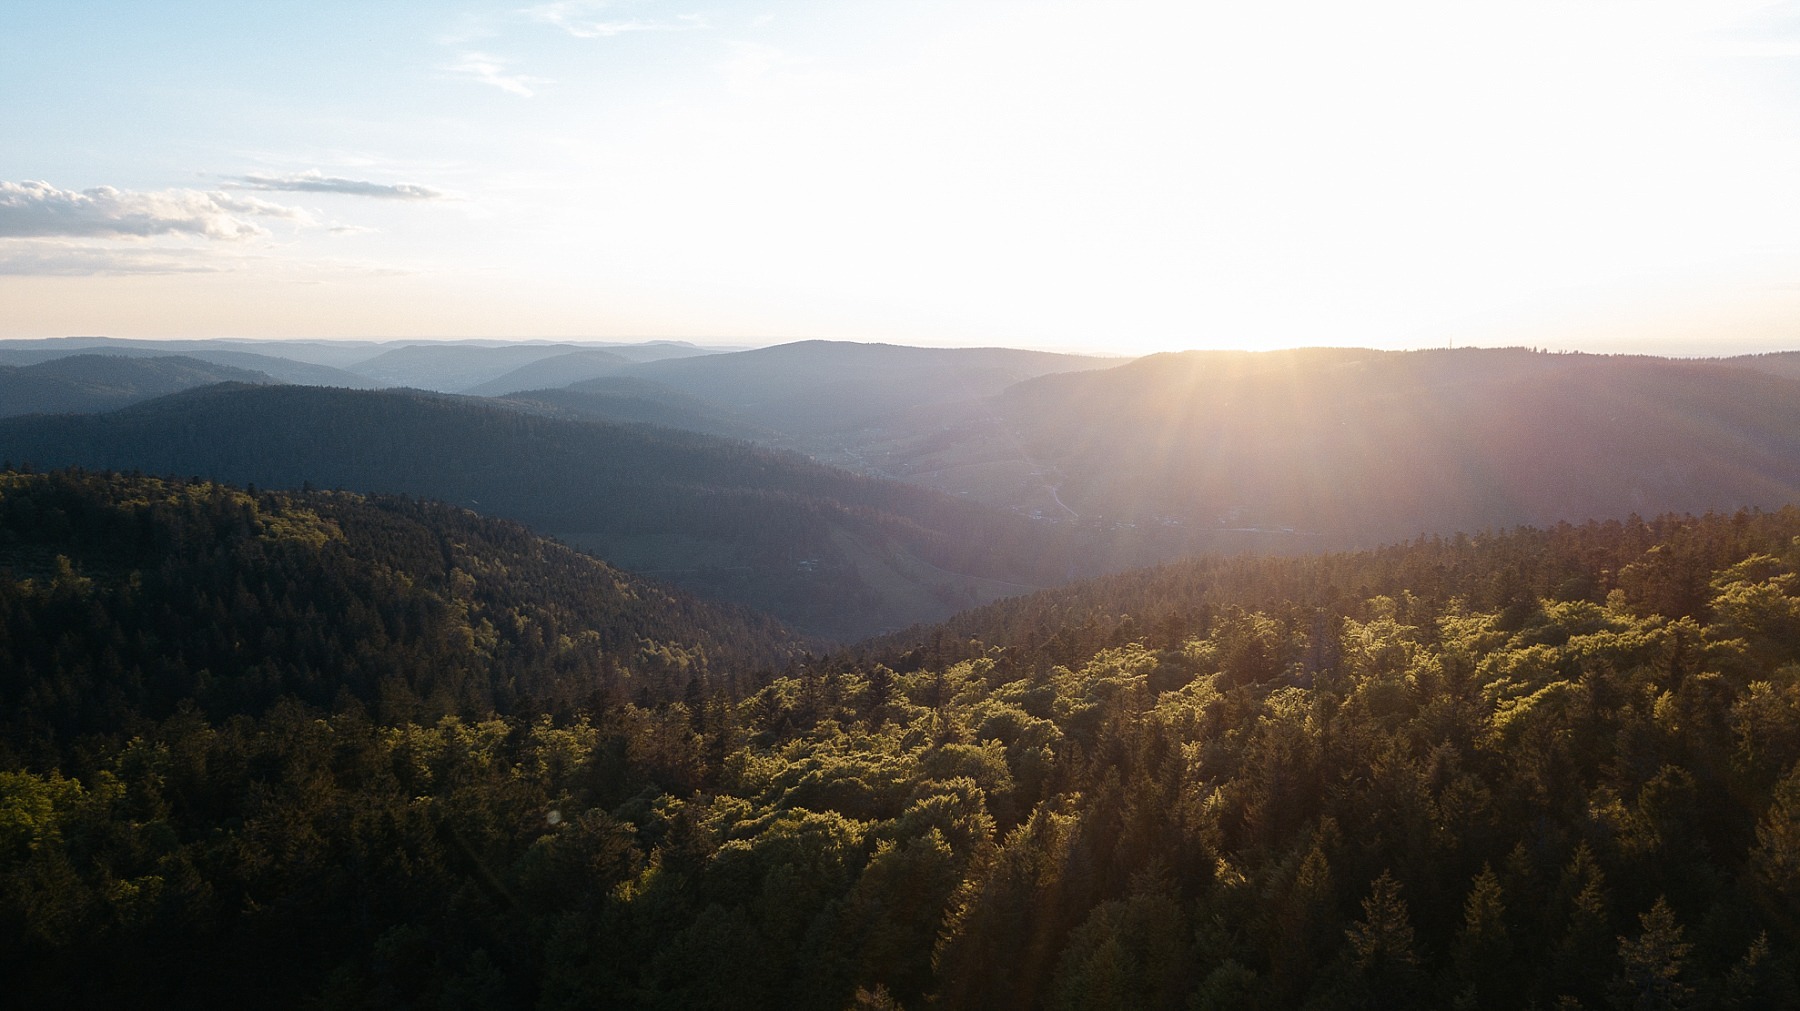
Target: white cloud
x=490 y=70
x=603 y=19
x=38 y=209
x=317 y=182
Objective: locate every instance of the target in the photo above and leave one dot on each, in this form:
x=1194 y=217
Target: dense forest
x=323 y=750
x=637 y=402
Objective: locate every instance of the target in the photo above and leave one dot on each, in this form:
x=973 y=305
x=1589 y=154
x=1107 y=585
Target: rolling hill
x=497 y=366
x=1777 y=363
x=1290 y=450
x=831 y=553
x=492 y=367
x=452 y=366
x=637 y=402
x=556 y=371
x=290 y=361
x=285 y=370
x=235 y=599
x=104 y=382
x=815 y=387
x=574 y=368
x=1341 y=447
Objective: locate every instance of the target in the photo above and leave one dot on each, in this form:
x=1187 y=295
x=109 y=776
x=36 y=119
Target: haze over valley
x=896 y=485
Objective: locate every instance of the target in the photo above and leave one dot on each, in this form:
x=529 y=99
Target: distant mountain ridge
x=453 y=368
x=94 y=382
x=1194 y=451
x=1775 y=363
x=810 y=386
x=446 y=366
x=487 y=368
x=330 y=353
x=628 y=401
x=555 y=372
x=1366 y=446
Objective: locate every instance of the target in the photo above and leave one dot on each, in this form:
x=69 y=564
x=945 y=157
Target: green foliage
x=368 y=752
x=1128 y=954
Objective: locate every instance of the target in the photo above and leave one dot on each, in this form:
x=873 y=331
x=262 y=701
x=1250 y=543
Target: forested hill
x=828 y=552
x=1775 y=363
x=1355 y=447
x=637 y=402
x=1664 y=564
x=125 y=599
x=1552 y=769
x=1545 y=769
x=453 y=367
x=103 y=382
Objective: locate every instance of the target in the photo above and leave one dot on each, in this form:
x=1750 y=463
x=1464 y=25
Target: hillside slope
x=554 y=372
x=1550 y=768
x=639 y=402
x=831 y=553
x=104 y=382
x=495 y=366
x=812 y=387
x=1776 y=363
x=1359 y=447
x=452 y=366
x=205 y=594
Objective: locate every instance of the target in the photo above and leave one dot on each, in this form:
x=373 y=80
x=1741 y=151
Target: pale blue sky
x=1603 y=174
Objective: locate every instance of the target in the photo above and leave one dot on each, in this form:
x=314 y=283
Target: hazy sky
x=1134 y=176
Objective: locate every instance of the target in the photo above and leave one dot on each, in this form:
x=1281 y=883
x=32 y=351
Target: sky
x=1106 y=176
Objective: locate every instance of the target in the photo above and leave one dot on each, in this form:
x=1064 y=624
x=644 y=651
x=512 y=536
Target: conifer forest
x=338 y=750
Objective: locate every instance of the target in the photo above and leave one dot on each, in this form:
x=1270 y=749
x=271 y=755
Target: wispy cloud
x=490 y=70
x=317 y=182
x=41 y=258
x=600 y=19
x=38 y=209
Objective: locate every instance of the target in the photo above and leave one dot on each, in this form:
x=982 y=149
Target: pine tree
x=1382 y=945
x=1650 y=965
x=1483 y=948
